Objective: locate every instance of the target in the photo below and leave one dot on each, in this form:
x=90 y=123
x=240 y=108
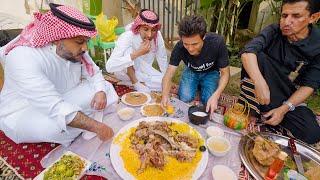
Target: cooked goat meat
x=145 y=161
x=142 y=125
x=142 y=133
x=161 y=126
x=171 y=141
x=265 y=151
x=188 y=139
x=152 y=141
x=183 y=156
x=157 y=159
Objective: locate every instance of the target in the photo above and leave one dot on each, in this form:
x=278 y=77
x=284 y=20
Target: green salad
x=68 y=167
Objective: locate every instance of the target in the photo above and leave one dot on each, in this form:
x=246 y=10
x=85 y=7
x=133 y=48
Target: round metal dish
x=246 y=145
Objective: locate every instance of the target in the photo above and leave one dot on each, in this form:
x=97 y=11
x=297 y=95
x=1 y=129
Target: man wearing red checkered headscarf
x=53 y=90
x=135 y=52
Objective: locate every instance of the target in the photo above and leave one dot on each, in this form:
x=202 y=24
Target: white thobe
x=43 y=92
x=120 y=60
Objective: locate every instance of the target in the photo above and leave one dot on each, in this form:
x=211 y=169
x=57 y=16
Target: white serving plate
x=143 y=112
x=118 y=163
x=123 y=99
x=87 y=165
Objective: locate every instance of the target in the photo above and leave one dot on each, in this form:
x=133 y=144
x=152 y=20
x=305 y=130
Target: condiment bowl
x=126 y=113
x=214 y=131
x=222 y=172
x=198 y=115
x=218 y=146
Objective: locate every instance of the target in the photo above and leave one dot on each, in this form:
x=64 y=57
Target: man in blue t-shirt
x=206 y=58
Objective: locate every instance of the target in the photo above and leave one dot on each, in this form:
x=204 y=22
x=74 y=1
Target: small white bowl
x=126 y=113
x=218 y=146
x=214 y=131
x=221 y=172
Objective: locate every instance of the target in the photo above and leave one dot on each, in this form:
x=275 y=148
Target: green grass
x=233 y=87
x=314 y=103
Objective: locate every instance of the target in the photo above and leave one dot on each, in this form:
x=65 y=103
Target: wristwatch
x=291 y=106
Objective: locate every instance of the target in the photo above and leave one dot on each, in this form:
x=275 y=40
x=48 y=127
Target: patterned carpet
x=25 y=158
x=7 y=171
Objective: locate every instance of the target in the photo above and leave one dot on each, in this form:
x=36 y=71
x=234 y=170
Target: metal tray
x=246 y=145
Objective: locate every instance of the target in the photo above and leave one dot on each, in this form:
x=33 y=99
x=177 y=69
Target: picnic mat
x=98 y=153
x=25 y=158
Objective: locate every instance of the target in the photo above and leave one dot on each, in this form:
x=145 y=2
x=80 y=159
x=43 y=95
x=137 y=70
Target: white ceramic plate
x=86 y=166
x=123 y=98
x=143 y=112
x=222 y=172
x=115 y=149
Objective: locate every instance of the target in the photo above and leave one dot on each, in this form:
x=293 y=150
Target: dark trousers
x=301 y=122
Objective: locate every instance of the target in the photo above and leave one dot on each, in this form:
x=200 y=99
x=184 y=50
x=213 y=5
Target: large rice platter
x=158 y=148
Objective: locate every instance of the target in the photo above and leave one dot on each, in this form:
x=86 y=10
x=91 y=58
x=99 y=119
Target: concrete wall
x=15 y=9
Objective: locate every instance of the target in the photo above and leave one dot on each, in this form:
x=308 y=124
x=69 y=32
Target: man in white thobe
x=135 y=51
x=52 y=88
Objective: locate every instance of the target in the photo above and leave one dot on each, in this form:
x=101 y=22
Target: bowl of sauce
x=218 y=146
x=198 y=115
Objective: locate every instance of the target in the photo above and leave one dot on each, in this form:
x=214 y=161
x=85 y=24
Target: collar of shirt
x=306 y=41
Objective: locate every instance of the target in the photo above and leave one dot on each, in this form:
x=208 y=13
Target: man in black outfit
x=205 y=56
x=282 y=69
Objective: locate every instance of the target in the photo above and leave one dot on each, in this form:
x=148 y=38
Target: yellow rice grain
x=173 y=169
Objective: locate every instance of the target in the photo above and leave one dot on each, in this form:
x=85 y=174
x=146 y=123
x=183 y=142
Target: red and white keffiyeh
x=148 y=14
x=47 y=28
x=151 y=16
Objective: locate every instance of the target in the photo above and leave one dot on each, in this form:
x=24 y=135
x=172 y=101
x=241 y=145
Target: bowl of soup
x=218 y=146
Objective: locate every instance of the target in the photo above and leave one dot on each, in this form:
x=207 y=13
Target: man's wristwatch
x=291 y=106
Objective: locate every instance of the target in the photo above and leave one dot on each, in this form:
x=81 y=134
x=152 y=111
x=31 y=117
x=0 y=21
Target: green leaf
x=205 y=4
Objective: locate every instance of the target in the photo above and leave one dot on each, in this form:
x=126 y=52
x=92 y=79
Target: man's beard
x=70 y=57
x=62 y=52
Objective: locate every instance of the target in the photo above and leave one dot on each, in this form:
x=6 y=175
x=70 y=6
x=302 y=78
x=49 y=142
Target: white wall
x=16 y=9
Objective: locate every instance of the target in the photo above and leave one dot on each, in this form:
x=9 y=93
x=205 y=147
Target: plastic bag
x=106 y=28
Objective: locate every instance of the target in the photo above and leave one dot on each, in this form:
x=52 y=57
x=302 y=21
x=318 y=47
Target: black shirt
x=213 y=55
x=289 y=54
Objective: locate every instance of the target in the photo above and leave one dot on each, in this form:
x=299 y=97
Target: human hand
x=144 y=47
x=99 y=101
x=262 y=92
x=276 y=115
x=104 y=132
x=165 y=101
x=212 y=104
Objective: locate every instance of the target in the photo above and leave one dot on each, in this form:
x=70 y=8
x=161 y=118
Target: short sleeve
x=223 y=59
x=175 y=57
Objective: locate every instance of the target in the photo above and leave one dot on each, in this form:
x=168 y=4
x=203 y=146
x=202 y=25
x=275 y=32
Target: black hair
x=191 y=25
x=313 y=5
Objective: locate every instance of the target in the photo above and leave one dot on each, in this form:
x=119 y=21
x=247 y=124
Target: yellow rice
x=173 y=169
